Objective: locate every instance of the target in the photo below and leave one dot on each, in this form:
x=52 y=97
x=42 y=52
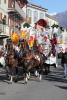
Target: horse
x=12 y=64
x=33 y=60
x=11 y=61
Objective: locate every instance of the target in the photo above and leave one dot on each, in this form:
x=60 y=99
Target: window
x=41 y=15
x=35 y=16
x=1 y=43
x=29 y=13
x=5 y=1
x=0 y=1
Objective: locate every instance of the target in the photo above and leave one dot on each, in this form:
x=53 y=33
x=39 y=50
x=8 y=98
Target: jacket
x=64 y=57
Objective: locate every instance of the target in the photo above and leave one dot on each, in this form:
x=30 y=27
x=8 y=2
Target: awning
x=16 y=11
x=3 y=36
x=15 y=15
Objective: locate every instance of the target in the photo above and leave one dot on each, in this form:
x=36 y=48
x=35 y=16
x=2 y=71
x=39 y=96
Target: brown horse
x=33 y=60
x=12 y=63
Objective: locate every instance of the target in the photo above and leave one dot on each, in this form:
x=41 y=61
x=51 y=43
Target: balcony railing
x=16 y=8
x=19 y=10
x=4 y=29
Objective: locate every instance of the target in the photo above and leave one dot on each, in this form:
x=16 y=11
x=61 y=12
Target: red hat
x=42 y=22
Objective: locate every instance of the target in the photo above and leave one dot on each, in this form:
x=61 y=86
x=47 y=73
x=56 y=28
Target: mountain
x=62 y=19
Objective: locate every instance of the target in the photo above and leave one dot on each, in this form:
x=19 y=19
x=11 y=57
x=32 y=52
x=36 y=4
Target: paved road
x=52 y=87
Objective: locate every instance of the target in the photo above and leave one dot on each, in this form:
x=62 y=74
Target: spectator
x=64 y=58
x=60 y=55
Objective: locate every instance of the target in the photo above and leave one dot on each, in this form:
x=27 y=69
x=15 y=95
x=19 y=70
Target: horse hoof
x=15 y=80
x=35 y=73
x=26 y=80
x=10 y=82
x=40 y=77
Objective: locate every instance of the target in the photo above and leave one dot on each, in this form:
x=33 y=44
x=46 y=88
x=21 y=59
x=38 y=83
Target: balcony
x=16 y=9
x=4 y=30
x=19 y=10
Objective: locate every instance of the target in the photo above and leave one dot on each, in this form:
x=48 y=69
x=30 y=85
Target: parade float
x=15 y=38
x=23 y=35
x=33 y=35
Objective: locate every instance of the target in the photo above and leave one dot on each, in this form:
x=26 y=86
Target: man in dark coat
x=64 y=58
x=60 y=55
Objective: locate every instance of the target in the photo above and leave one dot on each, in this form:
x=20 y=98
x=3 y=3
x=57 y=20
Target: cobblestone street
x=52 y=87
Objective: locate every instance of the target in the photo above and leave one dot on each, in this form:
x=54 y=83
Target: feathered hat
x=41 y=22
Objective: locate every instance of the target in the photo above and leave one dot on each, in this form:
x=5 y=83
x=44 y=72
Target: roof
x=50 y=16
x=36 y=4
x=3 y=36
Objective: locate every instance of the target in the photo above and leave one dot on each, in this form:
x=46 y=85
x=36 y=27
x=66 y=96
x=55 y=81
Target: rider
x=40 y=26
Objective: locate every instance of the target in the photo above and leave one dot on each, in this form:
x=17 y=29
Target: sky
x=53 y=6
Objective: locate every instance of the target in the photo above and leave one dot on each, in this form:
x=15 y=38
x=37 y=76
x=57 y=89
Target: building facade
x=11 y=16
x=51 y=20
x=34 y=13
